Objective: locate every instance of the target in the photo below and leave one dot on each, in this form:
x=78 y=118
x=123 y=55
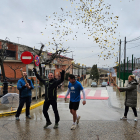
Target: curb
x=23 y=110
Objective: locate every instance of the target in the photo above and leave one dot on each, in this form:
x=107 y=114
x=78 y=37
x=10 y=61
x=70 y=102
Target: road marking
x=104 y=93
x=91 y=93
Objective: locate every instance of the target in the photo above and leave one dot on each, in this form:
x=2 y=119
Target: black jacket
x=51 y=86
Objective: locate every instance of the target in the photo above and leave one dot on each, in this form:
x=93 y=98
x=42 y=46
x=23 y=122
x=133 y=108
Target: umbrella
x=136 y=72
x=10 y=99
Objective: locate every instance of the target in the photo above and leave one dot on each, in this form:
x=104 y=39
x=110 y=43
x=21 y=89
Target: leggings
x=127 y=109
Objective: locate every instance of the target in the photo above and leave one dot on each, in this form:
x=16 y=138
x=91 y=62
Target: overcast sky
x=35 y=21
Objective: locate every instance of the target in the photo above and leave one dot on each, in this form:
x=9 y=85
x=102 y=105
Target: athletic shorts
x=74 y=105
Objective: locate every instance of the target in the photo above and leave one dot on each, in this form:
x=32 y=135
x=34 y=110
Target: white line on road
x=91 y=93
x=104 y=93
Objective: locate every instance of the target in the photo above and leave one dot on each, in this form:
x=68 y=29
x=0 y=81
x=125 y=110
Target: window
x=30 y=73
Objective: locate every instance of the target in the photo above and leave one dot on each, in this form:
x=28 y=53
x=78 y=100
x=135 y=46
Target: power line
x=134 y=47
x=137 y=38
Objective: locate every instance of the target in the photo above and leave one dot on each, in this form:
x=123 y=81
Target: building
x=13 y=63
x=103 y=75
x=61 y=63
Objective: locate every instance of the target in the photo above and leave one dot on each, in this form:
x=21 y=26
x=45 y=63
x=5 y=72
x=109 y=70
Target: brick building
x=61 y=63
x=13 y=61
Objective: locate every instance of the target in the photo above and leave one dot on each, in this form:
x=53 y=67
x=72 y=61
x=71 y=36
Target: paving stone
x=86 y=130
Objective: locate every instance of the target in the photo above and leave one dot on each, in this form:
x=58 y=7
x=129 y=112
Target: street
x=99 y=121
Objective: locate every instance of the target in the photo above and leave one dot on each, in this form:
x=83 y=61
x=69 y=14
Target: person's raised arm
x=58 y=82
x=38 y=76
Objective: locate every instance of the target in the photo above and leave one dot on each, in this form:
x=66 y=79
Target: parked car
x=104 y=84
x=93 y=84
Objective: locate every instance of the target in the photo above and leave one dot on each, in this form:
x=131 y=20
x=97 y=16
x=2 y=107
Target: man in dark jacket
x=24 y=96
x=50 y=96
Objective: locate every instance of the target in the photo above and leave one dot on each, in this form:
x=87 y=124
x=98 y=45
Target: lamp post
x=78 y=72
x=72 y=66
x=92 y=77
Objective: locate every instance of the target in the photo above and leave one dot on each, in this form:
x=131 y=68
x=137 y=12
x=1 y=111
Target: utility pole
x=72 y=63
x=124 y=60
x=119 y=59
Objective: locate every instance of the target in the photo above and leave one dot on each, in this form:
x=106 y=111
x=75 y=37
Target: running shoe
x=17 y=119
x=73 y=127
x=123 y=118
x=56 y=125
x=29 y=117
x=136 y=119
x=47 y=124
x=78 y=119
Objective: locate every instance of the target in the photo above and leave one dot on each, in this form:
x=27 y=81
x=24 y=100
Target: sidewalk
x=117 y=98
x=6 y=111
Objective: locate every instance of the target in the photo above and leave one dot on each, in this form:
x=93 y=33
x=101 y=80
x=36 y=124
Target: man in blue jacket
x=24 y=96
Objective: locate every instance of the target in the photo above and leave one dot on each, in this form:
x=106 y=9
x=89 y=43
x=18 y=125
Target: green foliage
x=67 y=75
x=87 y=72
x=32 y=80
x=94 y=72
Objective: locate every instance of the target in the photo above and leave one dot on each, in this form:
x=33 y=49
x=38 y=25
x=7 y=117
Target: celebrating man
x=50 y=96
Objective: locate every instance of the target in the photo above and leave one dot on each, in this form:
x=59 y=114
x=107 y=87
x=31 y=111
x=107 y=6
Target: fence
x=126 y=69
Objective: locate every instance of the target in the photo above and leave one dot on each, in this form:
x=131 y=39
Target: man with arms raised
x=50 y=96
x=74 y=89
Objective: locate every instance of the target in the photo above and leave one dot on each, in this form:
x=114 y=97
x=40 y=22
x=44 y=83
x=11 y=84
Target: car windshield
x=104 y=83
x=93 y=83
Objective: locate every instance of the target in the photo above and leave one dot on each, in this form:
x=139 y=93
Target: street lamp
x=82 y=68
x=78 y=69
x=78 y=72
x=72 y=66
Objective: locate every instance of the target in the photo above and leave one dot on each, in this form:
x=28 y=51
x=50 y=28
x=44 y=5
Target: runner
x=50 y=96
x=74 y=89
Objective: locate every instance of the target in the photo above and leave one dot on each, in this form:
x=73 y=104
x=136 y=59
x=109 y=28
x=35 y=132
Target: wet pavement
x=7 y=107
x=99 y=121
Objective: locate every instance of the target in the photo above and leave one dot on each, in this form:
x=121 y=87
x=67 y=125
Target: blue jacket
x=23 y=90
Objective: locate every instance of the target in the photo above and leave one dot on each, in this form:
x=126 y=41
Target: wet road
x=99 y=120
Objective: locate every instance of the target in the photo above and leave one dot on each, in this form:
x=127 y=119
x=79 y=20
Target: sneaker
x=78 y=119
x=56 y=125
x=123 y=118
x=29 y=117
x=17 y=119
x=136 y=119
x=73 y=127
x=47 y=124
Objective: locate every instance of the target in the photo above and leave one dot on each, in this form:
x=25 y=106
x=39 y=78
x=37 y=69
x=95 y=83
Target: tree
x=14 y=68
x=3 y=55
x=94 y=73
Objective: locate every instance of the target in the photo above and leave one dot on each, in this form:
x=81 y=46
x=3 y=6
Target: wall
x=10 y=73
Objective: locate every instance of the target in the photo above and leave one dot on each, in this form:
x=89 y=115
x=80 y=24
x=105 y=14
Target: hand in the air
x=34 y=70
